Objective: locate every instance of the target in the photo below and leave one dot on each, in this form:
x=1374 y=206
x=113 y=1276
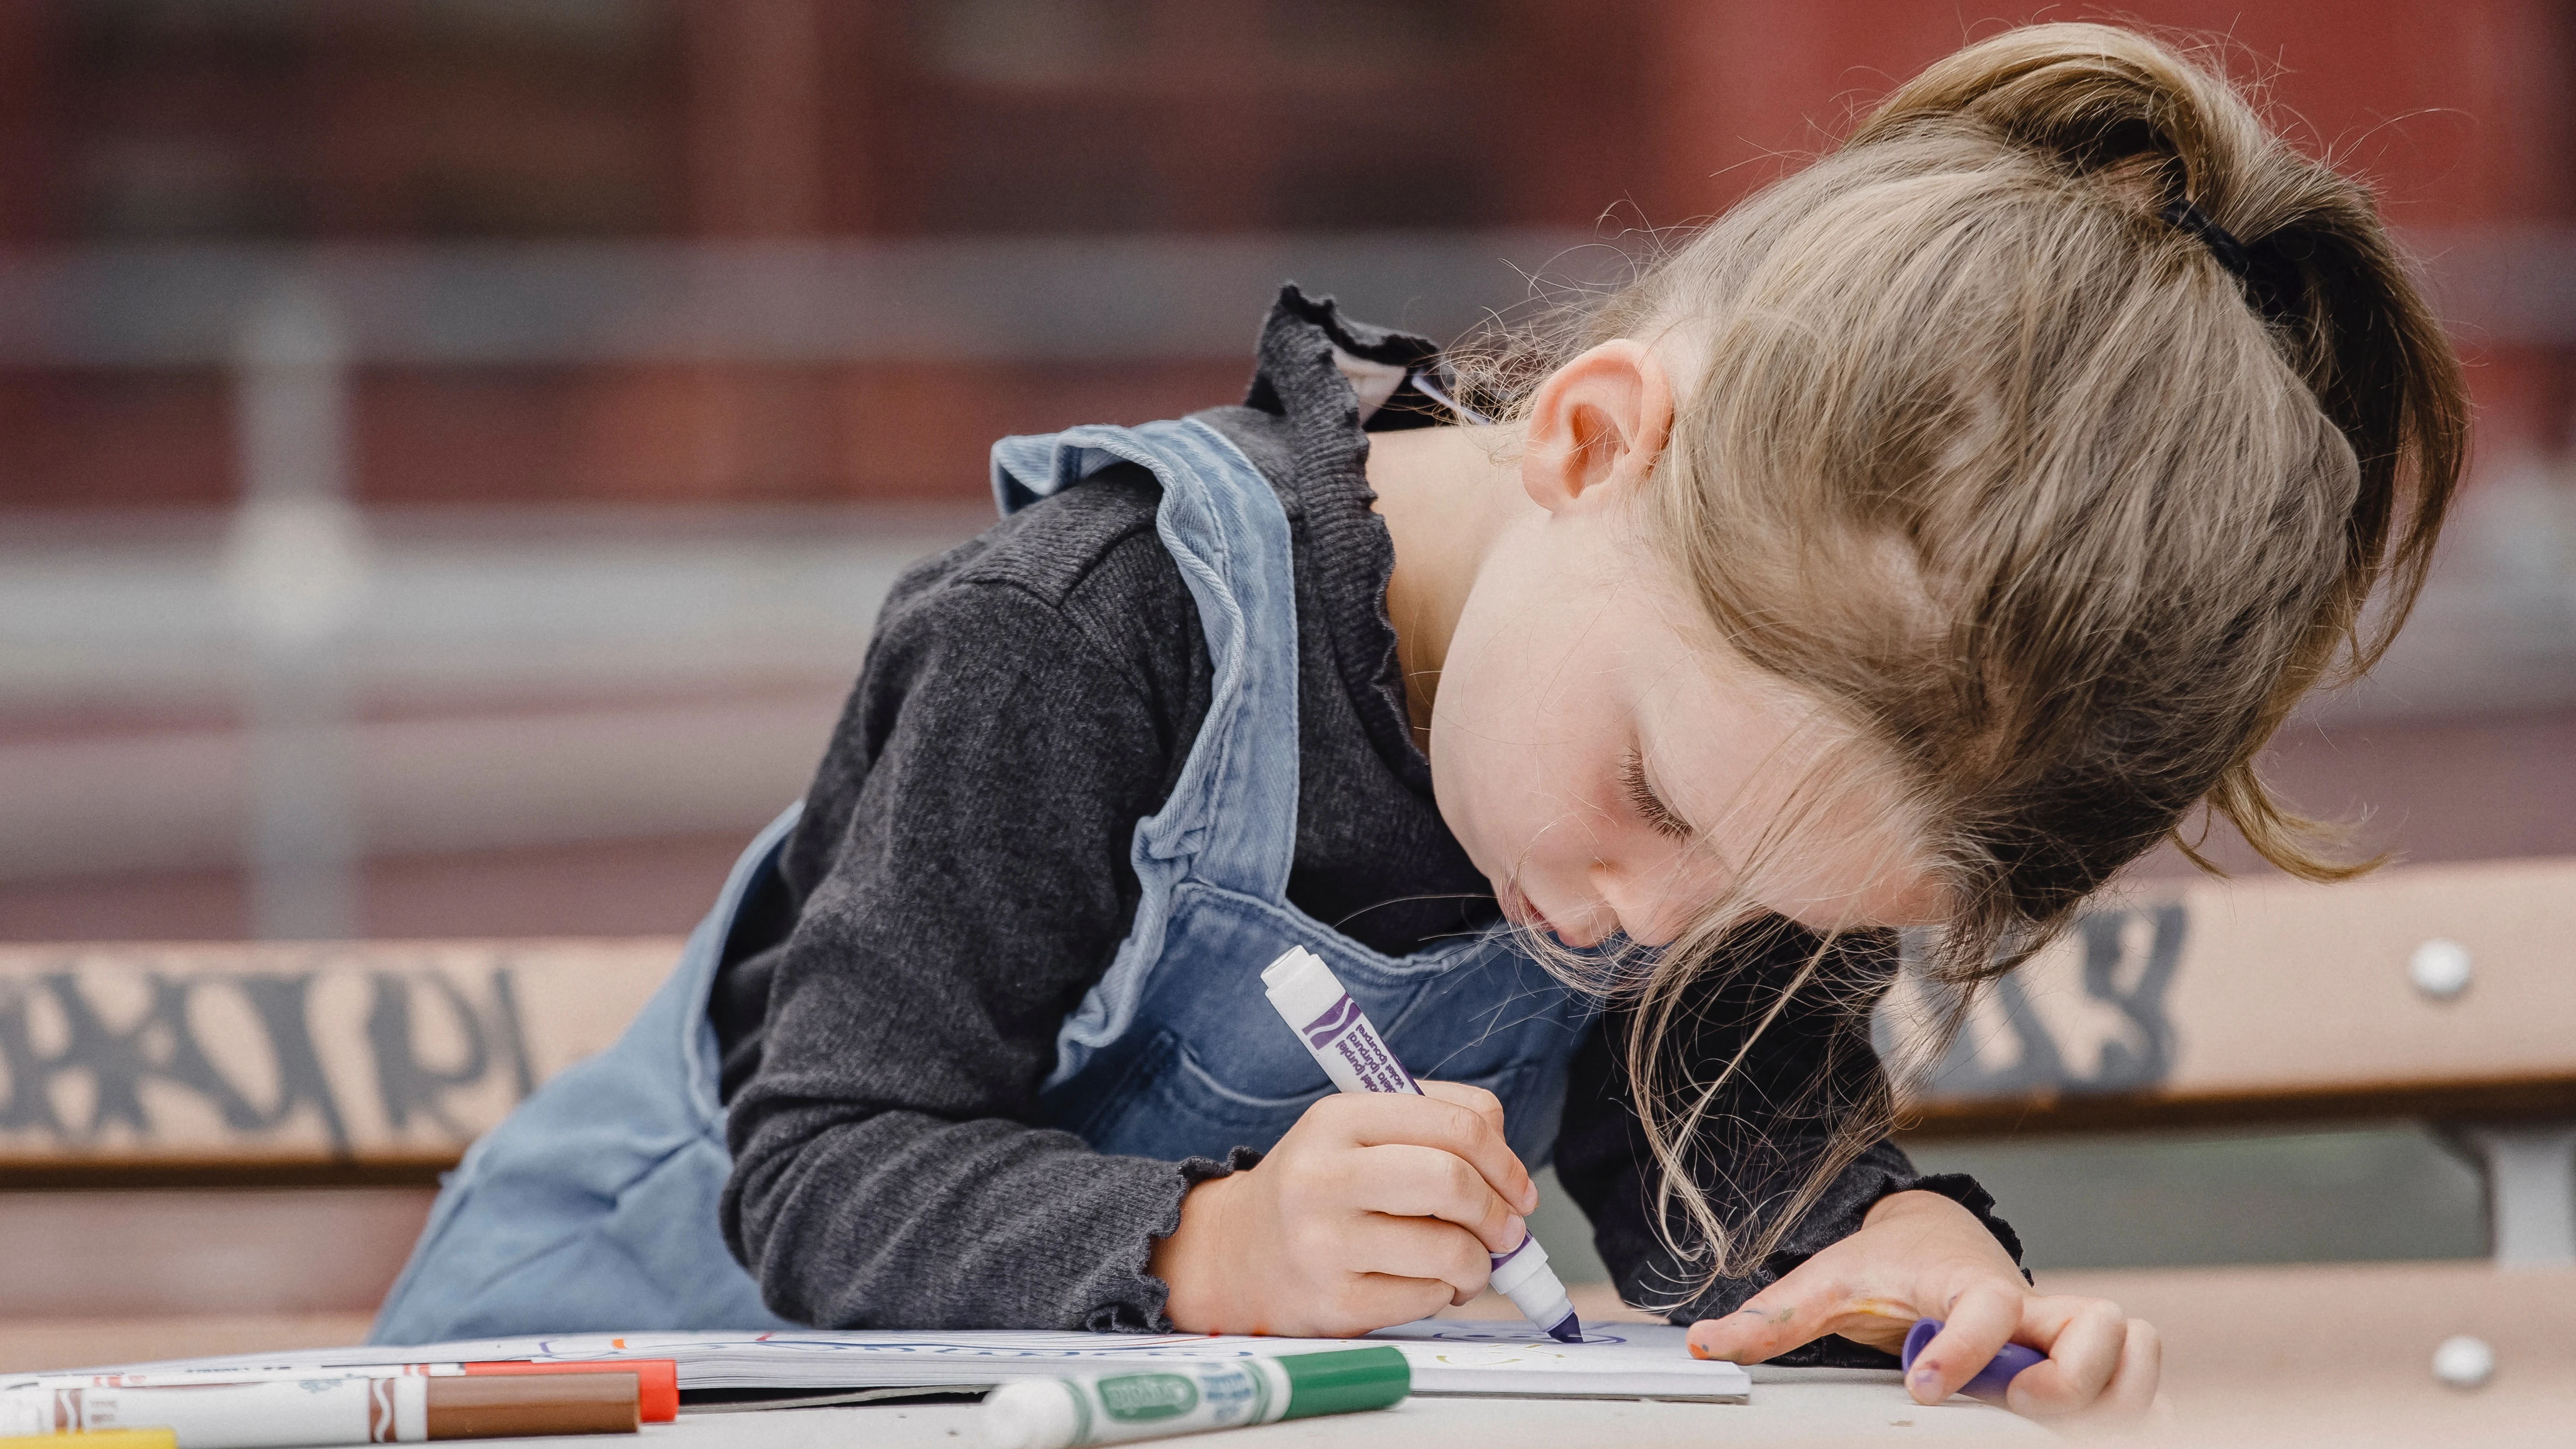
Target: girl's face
x=1611 y=767
x=1609 y=764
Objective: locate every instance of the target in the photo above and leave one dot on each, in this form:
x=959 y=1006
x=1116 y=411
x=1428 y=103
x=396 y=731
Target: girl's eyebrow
x=1663 y=817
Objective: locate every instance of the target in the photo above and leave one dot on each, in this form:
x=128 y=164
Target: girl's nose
x=1627 y=904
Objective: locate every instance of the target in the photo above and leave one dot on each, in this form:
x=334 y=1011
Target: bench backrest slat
x=2276 y=997
x=2216 y=1001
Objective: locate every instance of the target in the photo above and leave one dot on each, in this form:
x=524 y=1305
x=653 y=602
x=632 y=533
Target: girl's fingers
x=1420 y=1248
x=1357 y=1303
x=1424 y=1182
x=1379 y=1299
x=1807 y=1303
x=1764 y=1328
x=1979 y=1322
x=2132 y=1390
x=2085 y=1338
x=1384 y=1119
x=1475 y=1099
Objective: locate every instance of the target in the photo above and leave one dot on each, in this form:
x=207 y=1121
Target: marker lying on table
x=1990 y=1381
x=95 y=1439
x=1183 y=1397
x=1345 y=1043
x=657 y=1379
x=313 y=1412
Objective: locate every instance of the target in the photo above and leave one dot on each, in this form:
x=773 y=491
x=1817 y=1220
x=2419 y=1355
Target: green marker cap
x=1345 y=1380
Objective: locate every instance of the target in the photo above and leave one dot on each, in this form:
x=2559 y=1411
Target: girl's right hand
x=1375 y=1209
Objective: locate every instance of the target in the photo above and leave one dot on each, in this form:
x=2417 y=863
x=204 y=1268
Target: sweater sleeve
x=965 y=882
x=1762 y=1137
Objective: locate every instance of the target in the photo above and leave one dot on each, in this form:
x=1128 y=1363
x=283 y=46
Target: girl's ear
x=1596 y=427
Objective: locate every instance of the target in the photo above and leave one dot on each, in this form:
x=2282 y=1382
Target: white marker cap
x=1300 y=985
x=1030 y=1414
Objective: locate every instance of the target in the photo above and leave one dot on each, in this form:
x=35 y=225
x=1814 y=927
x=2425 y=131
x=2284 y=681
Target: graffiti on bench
x=161 y=1045
x=324 y=1052
x=2087 y=1016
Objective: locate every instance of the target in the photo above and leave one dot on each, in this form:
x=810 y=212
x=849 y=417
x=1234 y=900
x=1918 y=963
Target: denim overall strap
x=1231 y=818
x=1176 y=1052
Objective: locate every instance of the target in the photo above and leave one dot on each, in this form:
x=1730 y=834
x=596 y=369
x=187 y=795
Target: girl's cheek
x=1472 y=785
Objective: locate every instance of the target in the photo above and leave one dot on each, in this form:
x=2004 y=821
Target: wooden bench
x=276 y=1063
x=2211 y=1003
x=230 y=1148
x=2441 y=993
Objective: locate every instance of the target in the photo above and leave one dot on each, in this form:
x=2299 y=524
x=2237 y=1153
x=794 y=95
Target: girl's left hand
x=1920 y=1255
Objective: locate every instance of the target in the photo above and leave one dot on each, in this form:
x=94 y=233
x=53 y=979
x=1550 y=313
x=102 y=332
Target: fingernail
x=1926 y=1375
x=1515 y=1228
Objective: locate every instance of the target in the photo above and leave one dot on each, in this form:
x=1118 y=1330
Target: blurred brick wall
x=429 y=121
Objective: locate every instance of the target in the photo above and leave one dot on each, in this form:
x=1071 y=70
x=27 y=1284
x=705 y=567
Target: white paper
x=1448 y=1356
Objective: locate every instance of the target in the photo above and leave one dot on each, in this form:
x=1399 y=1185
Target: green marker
x=1186 y=1397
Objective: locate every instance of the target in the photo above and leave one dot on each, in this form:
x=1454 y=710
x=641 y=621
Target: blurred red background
x=428 y=122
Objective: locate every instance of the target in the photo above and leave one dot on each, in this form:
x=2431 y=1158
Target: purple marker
x=1345 y=1043
x=1993 y=1379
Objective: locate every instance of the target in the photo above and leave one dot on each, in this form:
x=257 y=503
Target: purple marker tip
x=1567 y=1330
x=1991 y=1381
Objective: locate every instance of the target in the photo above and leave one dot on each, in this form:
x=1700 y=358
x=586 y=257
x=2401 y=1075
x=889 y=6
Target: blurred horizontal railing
x=476 y=606
x=945 y=299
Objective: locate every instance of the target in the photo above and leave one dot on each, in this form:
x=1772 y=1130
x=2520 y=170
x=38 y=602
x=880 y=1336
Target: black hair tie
x=2222 y=245
x=2272 y=288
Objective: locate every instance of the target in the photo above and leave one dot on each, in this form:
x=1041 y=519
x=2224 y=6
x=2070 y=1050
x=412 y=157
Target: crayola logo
x=1325 y=1029
x=1143 y=1398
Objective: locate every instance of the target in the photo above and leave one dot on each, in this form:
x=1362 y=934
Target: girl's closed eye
x=1642 y=797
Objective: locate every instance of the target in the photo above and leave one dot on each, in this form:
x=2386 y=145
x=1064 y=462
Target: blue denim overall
x=594 y=1205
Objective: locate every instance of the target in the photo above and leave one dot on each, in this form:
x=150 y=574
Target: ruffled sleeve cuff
x=1140 y=1310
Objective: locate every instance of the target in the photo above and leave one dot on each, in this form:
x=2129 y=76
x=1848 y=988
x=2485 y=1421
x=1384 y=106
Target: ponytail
x=2319 y=270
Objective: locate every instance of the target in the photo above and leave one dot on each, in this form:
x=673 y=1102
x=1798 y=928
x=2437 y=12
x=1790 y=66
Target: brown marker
x=318 y=1412
x=508 y=1405
x=657 y=1379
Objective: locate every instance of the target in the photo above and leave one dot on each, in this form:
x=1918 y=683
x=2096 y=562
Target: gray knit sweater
x=959 y=880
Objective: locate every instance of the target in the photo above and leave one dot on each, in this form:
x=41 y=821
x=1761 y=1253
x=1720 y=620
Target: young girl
x=1905 y=552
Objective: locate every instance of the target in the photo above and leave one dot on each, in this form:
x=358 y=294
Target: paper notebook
x=1448 y=1356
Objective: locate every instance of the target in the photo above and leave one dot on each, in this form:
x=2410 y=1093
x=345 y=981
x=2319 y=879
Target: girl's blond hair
x=1995 y=454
